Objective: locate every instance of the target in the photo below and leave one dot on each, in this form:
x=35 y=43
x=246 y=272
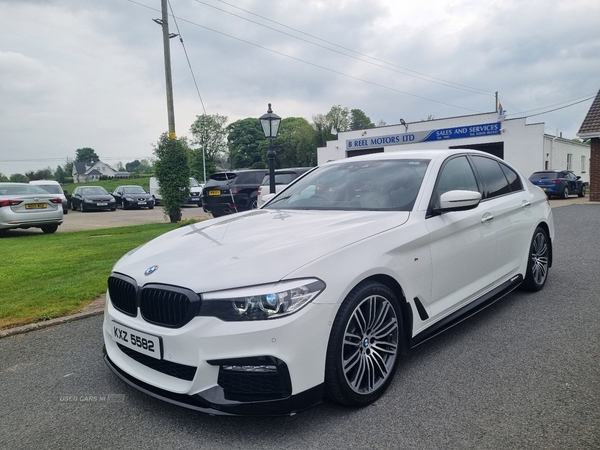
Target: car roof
x=44 y=182
x=412 y=154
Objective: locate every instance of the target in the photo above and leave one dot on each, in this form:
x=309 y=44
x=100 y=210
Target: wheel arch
x=546 y=228
x=407 y=315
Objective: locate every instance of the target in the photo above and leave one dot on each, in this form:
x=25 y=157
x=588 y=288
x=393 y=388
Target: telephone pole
x=169 y=81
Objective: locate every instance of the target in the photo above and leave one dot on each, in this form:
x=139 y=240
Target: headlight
x=267 y=301
x=129 y=199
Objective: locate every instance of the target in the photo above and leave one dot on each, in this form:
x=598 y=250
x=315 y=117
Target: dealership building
x=525 y=146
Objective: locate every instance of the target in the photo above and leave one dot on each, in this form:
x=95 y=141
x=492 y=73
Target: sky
x=91 y=73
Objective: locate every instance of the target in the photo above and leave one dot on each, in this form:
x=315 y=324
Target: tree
x=210 y=143
x=86 y=154
x=132 y=166
x=3 y=178
x=359 y=120
x=173 y=175
x=322 y=130
x=339 y=118
x=43 y=174
x=247 y=143
x=60 y=175
x=296 y=145
x=18 y=178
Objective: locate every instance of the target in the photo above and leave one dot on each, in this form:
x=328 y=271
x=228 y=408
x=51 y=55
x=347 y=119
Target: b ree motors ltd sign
x=469 y=131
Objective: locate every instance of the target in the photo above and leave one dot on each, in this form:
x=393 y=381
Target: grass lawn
x=50 y=275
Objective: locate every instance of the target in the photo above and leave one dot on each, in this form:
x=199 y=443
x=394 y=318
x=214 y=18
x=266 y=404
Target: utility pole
x=169 y=81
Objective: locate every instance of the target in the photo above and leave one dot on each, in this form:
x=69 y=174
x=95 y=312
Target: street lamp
x=270 y=123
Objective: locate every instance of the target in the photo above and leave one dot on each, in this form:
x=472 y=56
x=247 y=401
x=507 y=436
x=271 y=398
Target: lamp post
x=270 y=124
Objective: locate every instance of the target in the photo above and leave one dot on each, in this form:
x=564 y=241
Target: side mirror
x=65 y=191
x=578 y=177
x=268 y=197
x=458 y=201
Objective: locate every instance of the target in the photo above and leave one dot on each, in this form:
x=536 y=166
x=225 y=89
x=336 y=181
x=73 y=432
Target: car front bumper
x=217 y=367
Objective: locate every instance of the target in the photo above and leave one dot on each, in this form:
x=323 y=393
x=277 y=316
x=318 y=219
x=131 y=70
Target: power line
x=561 y=107
x=312 y=64
x=187 y=57
x=417 y=75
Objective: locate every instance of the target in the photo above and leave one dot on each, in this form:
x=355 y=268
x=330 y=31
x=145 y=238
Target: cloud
x=91 y=74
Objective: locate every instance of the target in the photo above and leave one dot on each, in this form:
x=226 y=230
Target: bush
x=173 y=175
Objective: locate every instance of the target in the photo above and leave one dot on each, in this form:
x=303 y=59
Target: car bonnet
x=255 y=247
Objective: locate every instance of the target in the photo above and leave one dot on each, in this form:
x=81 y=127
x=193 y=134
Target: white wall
x=556 y=150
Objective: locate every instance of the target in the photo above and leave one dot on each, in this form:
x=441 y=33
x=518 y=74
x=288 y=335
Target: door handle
x=526 y=204
x=487 y=217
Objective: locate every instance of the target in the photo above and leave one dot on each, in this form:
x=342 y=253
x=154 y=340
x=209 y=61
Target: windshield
x=544 y=176
x=194 y=183
x=94 y=190
x=134 y=190
x=51 y=188
x=381 y=185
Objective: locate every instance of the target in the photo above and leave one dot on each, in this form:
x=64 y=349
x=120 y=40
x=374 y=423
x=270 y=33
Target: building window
x=569 y=161
x=583 y=164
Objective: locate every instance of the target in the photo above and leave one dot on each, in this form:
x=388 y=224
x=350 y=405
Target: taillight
x=259 y=190
x=555 y=181
x=10 y=202
x=237 y=191
x=56 y=200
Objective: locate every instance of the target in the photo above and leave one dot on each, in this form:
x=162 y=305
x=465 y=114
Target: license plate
x=101 y=204
x=214 y=192
x=136 y=340
x=141 y=203
x=195 y=199
x=36 y=206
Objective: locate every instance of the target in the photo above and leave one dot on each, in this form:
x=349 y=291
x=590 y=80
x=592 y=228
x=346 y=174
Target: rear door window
x=494 y=180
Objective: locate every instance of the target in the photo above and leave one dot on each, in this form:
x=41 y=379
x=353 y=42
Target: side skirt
x=464 y=313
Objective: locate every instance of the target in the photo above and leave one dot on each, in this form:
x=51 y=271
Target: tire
x=254 y=204
x=114 y=209
x=582 y=193
x=151 y=207
x=73 y=206
x=565 y=192
x=66 y=211
x=81 y=207
x=364 y=345
x=49 y=229
x=539 y=261
x=124 y=206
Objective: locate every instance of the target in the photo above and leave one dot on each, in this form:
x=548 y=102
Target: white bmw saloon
x=320 y=293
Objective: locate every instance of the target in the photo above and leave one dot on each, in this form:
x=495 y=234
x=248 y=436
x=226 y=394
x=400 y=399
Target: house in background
x=84 y=172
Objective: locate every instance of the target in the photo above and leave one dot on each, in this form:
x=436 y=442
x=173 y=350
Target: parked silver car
x=24 y=205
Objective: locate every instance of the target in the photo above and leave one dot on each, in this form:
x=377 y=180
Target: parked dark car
x=283 y=177
x=87 y=198
x=559 y=183
x=133 y=197
x=231 y=192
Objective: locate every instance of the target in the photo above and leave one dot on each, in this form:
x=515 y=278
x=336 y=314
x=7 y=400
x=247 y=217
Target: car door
x=573 y=183
x=76 y=198
x=118 y=195
x=462 y=243
x=509 y=205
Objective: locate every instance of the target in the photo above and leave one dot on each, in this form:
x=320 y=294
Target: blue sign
x=486 y=129
x=469 y=131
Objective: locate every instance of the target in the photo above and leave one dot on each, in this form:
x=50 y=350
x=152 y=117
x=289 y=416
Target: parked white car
x=361 y=260
x=283 y=177
x=53 y=187
x=195 y=197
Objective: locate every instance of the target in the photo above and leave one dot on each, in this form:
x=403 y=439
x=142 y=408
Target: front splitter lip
x=285 y=407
